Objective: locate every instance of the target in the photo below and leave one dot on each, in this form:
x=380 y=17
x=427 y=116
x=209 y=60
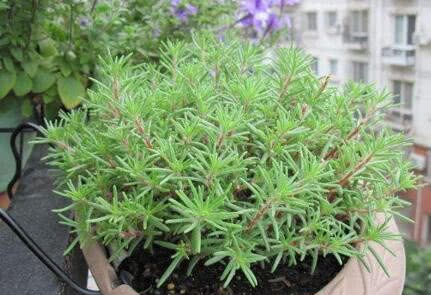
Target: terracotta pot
x=103 y=272
x=353 y=279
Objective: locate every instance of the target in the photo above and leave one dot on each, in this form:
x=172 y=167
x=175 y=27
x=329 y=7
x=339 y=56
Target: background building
x=387 y=42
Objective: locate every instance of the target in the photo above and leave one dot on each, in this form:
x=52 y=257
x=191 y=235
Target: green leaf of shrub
x=4 y=41
x=17 y=53
x=7 y=81
x=48 y=63
x=26 y=108
x=48 y=98
x=30 y=67
x=71 y=91
x=8 y=64
x=51 y=109
x=70 y=56
x=23 y=84
x=52 y=91
x=65 y=68
x=47 y=47
x=42 y=81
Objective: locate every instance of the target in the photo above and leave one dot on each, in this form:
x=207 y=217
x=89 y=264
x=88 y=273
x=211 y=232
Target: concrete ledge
x=20 y=271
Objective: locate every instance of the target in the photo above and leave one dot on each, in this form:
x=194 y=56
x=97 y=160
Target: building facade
x=386 y=42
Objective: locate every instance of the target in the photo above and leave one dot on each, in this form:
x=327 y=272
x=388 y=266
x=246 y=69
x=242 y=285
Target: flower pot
x=353 y=279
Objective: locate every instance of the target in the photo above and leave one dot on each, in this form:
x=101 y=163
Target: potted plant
x=222 y=173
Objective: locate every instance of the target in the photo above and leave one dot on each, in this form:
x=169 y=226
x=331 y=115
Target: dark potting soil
x=142 y=269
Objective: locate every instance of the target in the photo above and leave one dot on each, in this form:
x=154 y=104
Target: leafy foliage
x=44 y=43
x=221 y=155
x=418 y=280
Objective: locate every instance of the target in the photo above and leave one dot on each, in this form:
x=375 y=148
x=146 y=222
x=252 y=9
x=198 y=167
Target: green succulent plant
x=223 y=155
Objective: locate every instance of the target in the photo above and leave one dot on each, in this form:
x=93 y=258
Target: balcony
x=403 y=56
x=359 y=4
x=355 y=40
x=399 y=119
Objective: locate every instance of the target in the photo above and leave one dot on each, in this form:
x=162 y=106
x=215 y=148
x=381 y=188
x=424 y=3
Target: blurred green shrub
x=418 y=278
x=48 y=49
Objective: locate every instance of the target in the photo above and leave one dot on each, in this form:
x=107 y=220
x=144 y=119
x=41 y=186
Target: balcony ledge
x=355 y=40
x=403 y=56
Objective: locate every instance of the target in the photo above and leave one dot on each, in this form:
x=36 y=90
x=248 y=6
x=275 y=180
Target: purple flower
x=221 y=37
x=273 y=22
x=257 y=14
x=181 y=11
x=84 y=22
x=255 y=6
x=156 y=32
x=192 y=10
x=261 y=17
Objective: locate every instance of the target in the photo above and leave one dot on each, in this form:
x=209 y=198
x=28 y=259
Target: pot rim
x=353 y=279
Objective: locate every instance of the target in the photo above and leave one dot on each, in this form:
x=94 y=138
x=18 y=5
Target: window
x=331 y=19
x=405 y=26
x=311 y=21
x=315 y=65
x=403 y=94
x=360 y=71
x=403 y=97
x=333 y=67
x=359 y=21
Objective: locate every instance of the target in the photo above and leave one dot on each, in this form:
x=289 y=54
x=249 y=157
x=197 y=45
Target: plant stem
x=331 y=154
x=346 y=177
x=259 y=215
x=323 y=86
x=285 y=86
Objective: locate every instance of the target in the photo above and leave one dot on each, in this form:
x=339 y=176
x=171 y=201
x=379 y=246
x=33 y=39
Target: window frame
x=356 y=66
x=315 y=65
x=403 y=86
x=359 y=22
x=309 y=15
x=405 y=36
x=328 y=19
x=332 y=62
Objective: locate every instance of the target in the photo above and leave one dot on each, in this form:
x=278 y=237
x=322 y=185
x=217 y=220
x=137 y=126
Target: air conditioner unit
x=422 y=39
x=419 y=161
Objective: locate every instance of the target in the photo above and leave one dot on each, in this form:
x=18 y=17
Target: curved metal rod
x=17 y=155
x=20 y=232
x=38 y=252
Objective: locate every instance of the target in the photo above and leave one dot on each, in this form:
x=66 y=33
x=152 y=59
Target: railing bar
x=10 y=130
x=21 y=146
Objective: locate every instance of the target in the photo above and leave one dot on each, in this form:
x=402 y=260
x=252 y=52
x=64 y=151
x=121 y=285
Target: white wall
x=325 y=46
